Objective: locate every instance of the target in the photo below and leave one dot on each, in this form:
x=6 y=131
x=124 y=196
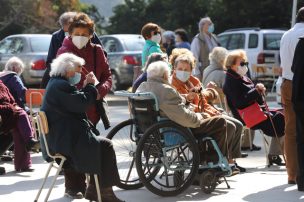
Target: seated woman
x=187 y=85
x=143 y=77
x=241 y=92
x=15 y=119
x=70 y=131
x=10 y=76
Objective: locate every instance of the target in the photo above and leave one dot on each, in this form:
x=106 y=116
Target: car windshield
x=272 y=41
x=40 y=43
x=134 y=44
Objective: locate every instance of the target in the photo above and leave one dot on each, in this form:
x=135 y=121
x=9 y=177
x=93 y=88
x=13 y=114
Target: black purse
x=101 y=105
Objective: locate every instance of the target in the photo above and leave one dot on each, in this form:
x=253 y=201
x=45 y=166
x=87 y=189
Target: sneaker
x=73 y=194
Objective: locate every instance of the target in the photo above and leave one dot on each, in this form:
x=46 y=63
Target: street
x=258 y=184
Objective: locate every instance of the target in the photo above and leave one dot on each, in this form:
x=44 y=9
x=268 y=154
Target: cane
x=272 y=124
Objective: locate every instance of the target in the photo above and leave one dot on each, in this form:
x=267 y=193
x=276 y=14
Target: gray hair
x=156 y=57
x=185 y=58
x=202 y=22
x=218 y=56
x=66 y=18
x=64 y=63
x=157 y=69
x=14 y=64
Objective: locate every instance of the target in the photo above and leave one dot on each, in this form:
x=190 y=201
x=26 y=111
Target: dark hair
x=148 y=28
x=183 y=34
x=300 y=15
x=82 y=20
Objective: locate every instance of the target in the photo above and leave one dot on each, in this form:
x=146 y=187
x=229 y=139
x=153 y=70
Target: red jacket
x=103 y=71
x=8 y=111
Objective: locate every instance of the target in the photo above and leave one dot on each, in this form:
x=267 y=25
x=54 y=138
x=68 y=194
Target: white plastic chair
x=42 y=127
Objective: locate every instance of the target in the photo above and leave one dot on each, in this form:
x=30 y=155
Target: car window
x=40 y=44
x=224 y=40
x=253 y=41
x=110 y=45
x=4 y=45
x=237 y=41
x=134 y=44
x=272 y=41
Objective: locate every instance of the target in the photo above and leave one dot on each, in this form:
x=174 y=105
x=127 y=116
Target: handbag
x=252 y=115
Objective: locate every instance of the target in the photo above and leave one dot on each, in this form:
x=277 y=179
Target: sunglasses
x=244 y=64
x=155 y=33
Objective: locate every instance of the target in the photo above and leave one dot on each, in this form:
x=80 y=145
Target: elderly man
x=202 y=44
x=57 y=38
x=172 y=105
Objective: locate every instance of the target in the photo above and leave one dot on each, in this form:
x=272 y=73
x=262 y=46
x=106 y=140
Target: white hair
x=64 y=63
x=157 y=69
x=218 y=56
x=202 y=22
x=14 y=64
x=66 y=18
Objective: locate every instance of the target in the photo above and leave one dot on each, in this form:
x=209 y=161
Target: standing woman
x=151 y=33
x=79 y=43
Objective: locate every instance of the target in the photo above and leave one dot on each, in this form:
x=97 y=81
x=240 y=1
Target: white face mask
x=156 y=38
x=80 y=41
x=182 y=75
x=242 y=70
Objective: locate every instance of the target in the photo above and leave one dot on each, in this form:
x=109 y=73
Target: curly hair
x=233 y=56
x=84 y=21
x=176 y=52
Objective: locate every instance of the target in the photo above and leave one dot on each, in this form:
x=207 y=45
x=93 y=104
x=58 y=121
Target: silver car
x=124 y=53
x=32 y=49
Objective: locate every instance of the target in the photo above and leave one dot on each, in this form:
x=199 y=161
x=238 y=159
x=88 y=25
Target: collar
x=152 y=43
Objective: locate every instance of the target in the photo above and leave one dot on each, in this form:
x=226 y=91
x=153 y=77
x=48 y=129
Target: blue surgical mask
x=211 y=28
x=75 y=79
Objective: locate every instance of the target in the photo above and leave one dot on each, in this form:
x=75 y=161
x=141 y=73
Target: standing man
x=57 y=38
x=288 y=45
x=202 y=44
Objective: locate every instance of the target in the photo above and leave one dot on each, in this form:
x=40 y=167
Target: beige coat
x=171 y=103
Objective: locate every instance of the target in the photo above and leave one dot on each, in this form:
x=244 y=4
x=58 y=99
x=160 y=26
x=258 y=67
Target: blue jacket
x=56 y=43
x=15 y=86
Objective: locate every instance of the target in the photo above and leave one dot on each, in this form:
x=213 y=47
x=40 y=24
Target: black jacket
x=298 y=77
x=56 y=42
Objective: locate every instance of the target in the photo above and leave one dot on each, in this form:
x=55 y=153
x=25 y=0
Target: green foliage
x=226 y=14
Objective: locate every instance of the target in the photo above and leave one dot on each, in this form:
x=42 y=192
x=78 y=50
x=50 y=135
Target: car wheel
x=115 y=82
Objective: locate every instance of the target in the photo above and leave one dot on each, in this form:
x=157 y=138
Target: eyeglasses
x=244 y=64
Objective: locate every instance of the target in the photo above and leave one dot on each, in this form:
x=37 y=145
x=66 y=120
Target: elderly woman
x=241 y=92
x=143 y=77
x=70 y=131
x=151 y=33
x=81 y=31
x=10 y=76
x=15 y=119
x=190 y=87
x=168 y=41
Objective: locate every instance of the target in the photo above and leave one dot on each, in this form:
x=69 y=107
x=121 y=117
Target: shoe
x=32 y=145
x=275 y=159
x=90 y=193
x=244 y=155
x=254 y=148
x=107 y=195
x=300 y=183
x=21 y=170
x=73 y=194
x=242 y=170
x=2 y=170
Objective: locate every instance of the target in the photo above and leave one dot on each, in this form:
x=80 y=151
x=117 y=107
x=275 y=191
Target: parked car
x=262 y=47
x=124 y=53
x=32 y=49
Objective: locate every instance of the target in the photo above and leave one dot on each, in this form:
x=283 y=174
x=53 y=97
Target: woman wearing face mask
x=241 y=92
x=191 y=88
x=69 y=130
x=152 y=35
x=79 y=43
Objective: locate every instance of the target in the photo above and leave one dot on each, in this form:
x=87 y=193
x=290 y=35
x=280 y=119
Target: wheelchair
x=160 y=154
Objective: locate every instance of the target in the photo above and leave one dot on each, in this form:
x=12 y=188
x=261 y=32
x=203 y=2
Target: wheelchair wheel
x=124 y=143
x=167 y=158
x=208 y=181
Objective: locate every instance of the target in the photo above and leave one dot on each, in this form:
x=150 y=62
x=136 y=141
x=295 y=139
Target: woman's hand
x=190 y=96
x=260 y=88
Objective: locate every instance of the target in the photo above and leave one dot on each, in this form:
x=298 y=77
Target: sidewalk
x=258 y=184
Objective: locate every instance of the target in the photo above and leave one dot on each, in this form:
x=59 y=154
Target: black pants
x=109 y=173
x=300 y=141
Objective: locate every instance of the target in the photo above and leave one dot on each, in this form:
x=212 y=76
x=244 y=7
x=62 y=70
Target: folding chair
x=42 y=127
